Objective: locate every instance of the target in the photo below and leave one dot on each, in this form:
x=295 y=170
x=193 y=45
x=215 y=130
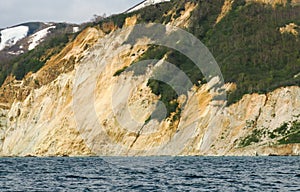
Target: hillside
x=89 y=93
x=17 y=46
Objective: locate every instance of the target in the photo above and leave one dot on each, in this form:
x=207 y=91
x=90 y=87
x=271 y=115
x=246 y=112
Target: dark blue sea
x=150 y=174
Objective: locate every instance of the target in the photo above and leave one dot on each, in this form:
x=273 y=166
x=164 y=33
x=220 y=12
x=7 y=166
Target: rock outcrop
x=291 y=28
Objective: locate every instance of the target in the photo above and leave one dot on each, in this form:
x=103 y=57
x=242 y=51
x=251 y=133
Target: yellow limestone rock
x=291 y=28
x=183 y=20
x=225 y=9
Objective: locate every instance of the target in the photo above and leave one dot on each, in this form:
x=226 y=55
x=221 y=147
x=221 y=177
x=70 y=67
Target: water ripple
x=178 y=174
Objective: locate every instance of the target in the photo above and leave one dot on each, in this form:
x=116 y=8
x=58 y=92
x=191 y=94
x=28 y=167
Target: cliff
x=83 y=101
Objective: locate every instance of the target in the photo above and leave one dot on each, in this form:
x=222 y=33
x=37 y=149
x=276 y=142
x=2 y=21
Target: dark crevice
x=137 y=136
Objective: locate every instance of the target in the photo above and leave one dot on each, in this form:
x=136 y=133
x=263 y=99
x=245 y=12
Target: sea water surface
x=150 y=174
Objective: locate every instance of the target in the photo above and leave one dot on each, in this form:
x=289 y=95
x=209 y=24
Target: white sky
x=13 y=12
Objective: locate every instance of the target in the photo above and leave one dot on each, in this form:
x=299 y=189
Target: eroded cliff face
x=235 y=124
x=77 y=105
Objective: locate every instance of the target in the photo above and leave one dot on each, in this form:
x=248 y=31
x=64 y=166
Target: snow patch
x=38 y=37
x=11 y=36
x=145 y=4
x=75 y=29
x=16 y=53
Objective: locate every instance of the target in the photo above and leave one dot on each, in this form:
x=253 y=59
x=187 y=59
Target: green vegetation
x=293 y=133
x=153 y=53
x=292 y=138
x=251 y=51
x=283 y=129
x=254 y=137
x=158 y=13
x=117 y=73
x=204 y=18
x=288 y=132
x=153 y=14
x=35 y=59
x=167 y=95
x=33 y=26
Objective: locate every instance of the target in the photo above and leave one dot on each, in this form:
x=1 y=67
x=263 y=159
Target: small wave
x=75 y=177
x=194 y=176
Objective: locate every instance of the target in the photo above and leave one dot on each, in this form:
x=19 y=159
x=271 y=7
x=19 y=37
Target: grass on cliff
x=255 y=137
x=287 y=133
x=292 y=135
